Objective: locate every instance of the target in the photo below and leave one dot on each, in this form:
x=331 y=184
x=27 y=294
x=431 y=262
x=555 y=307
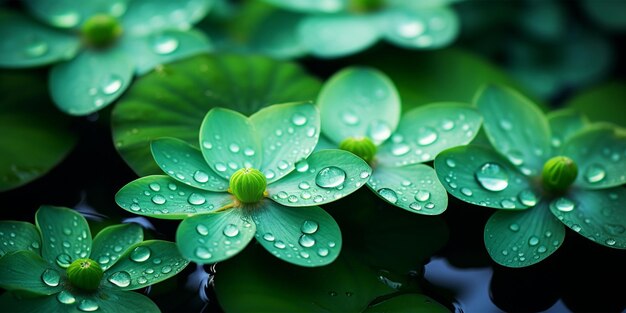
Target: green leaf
x=65 y=235
x=564 y=124
x=595 y=214
x=186 y=164
x=160 y=196
x=425 y=131
x=483 y=177
x=408 y=303
x=515 y=127
x=414 y=188
x=115 y=301
x=405 y=27
x=149 y=16
x=91 y=81
x=214 y=237
x=311 y=6
x=277 y=35
x=325 y=176
x=111 y=242
x=15 y=236
x=27 y=43
x=602 y=103
x=288 y=133
x=346 y=285
x=598 y=152
x=357 y=102
x=609 y=14
x=172 y=101
x=71 y=14
x=523 y=238
x=143 y=264
x=307 y=236
x=338 y=35
x=225 y=137
x=27 y=271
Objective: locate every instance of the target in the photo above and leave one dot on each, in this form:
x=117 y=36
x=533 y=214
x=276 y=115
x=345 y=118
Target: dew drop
x=349 y=118
x=200 y=177
x=120 y=279
x=87 y=305
x=196 y=199
x=426 y=136
x=514 y=227
x=165 y=44
x=400 y=149
x=309 y=227
x=379 y=131
x=166 y=269
x=410 y=28
x=112 y=84
x=279 y=244
x=65 y=297
x=330 y=177
x=492 y=177
x=298 y=119
x=64 y=260
x=542 y=249
x=506 y=125
x=155 y=187
x=388 y=195
x=364 y=174
x=322 y=252
x=202 y=229
x=292 y=199
x=220 y=167
x=415 y=206
x=269 y=237
x=595 y=173
x=466 y=191
x=527 y=197
x=304 y=185
x=610 y=242
x=234 y=148
x=36 y=48
x=563 y=204
x=231 y=230
x=302 y=166
x=140 y=254
x=450 y=163
x=533 y=241
x=507 y=204
x=306 y=241
x=158 y=199
x=248 y=151
x=422 y=195
x=51 y=277
x=203 y=253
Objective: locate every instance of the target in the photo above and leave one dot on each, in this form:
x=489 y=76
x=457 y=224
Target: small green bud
x=559 y=173
x=85 y=274
x=101 y=30
x=248 y=185
x=365 y=5
x=362 y=147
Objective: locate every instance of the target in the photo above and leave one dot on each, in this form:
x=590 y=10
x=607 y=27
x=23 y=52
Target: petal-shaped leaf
x=406 y=28
x=408 y=303
x=288 y=133
x=602 y=103
x=523 y=238
x=228 y=142
x=71 y=14
x=332 y=36
x=358 y=102
x=309 y=6
x=303 y=236
x=172 y=101
x=483 y=177
x=214 y=237
x=414 y=188
x=186 y=164
x=163 y=197
x=65 y=235
x=90 y=81
x=598 y=215
x=277 y=35
x=27 y=271
x=150 y=16
x=144 y=264
x=599 y=153
x=123 y=302
x=27 y=43
x=15 y=236
x=164 y=47
x=515 y=127
x=111 y=242
x=425 y=131
x=325 y=176
x=564 y=124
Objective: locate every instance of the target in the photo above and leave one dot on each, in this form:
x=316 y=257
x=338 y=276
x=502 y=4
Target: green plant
x=55 y=266
x=360 y=110
x=221 y=210
x=541 y=173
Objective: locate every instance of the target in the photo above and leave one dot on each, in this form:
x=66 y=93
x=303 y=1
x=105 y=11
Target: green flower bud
x=85 y=274
x=101 y=30
x=248 y=185
x=559 y=173
x=365 y=5
x=362 y=147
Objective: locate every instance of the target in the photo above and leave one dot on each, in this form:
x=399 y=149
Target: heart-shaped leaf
x=111 y=242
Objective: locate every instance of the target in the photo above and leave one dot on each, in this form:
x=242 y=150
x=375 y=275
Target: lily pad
x=172 y=100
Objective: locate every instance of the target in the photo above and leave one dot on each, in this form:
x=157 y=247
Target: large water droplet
x=527 y=197
x=388 y=195
x=280 y=245
x=422 y=195
x=298 y=119
x=330 y=177
x=140 y=254
x=492 y=177
x=306 y=241
x=595 y=173
x=426 y=136
x=302 y=166
x=196 y=199
x=322 y=252
x=466 y=191
x=507 y=204
x=400 y=149
x=379 y=131
x=158 y=199
x=112 y=84
x=563 y=204
x=165 y=44
x=231 y=230
x=203 y=253
x=65 y=297
x=64 y=260
x=220 y=167
x=155 y=187
x=51 y=277
x=88 y=305
x=120 y=279
x=533 y=241
x=201 y=176
x=309 y=227
x=202 y=229
x=269 y=237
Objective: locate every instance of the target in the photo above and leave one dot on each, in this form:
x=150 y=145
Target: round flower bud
x=101 y=30
x=559 y=173
x=85 y=274
x=248 y=185
x=362 y=147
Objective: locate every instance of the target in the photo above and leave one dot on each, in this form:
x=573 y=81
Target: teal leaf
x=483 y=177
x=90 y=81
x=595 y=214
x=323 y=143
x=150 y=16
x=277 y=35
x=27 y=43
x=65 y=235
x=602 y=103
x=15 y=236
x=71 y=14
x=564 y=124
x=147 y=52
x=288 y=133
x=332 y=36
x=27 y=271
x=425 y=131
x=228 y=142
x=523 y=238
x=409 y=29
x=515 y=127
x=172 y=101
x=358 y=102
x=414 y=188
x=186 y=164
x=307 y=236
x=144 y=264
x=408 y=303
x=123 y=302
x=214 y=237
x=163 y=197
x=325 y=176
x=310 y=6
x=599 y=153
x=111 y=242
